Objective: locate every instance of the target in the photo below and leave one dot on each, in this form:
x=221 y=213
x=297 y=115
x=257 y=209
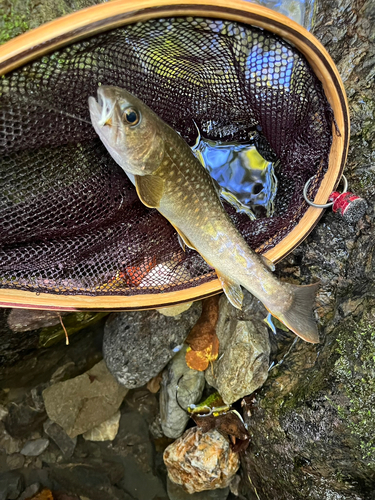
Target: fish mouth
x=102 y=108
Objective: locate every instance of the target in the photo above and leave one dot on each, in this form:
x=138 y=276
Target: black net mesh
x=71 y=222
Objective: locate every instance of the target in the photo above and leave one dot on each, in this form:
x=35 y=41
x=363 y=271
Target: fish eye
x=130 y=116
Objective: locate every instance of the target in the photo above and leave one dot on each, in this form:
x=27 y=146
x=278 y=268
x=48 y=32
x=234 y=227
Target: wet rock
x=35 y=448
x=8 y=443
x=24 y=417
x=25 y=320
x=133 y=449
x=11 y=485
x=180 y=387
x=73 y=323
x=243 y=362
x=137 y=345
x=106 y=431
x=64 y=372
x=15 y=461
x=29 y=492
x=200 y=462
x=3 y=412
x=175 y=310
x=92 y=480
x=177 y=492
x=85 y=401
x=60 y=437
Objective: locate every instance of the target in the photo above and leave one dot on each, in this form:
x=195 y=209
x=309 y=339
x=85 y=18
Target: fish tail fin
x=299 y=317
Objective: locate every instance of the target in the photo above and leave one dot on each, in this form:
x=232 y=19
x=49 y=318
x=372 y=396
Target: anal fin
x=232 y=290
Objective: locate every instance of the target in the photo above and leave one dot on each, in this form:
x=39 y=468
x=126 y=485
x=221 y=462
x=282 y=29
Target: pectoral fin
x=150 y=189
x=232 y=290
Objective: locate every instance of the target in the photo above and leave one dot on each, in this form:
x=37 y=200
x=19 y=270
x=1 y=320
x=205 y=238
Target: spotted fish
x=168 y=177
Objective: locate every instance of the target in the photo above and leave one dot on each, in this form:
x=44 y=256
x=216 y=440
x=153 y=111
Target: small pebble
x=35 y=448
x=15 y=461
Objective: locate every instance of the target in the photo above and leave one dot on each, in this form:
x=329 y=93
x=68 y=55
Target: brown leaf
x=202 y=340
x=43 y=495
x=226 y=423
x=202 y=332
x=153 y=385
x=199 y=360
x=241 y=445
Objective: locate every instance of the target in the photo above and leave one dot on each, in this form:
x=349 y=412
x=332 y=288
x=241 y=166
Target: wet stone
x=11 y=485
x=138 y=345
x=243 y=362
x=24 y=418
x=8 y=443
x=35 y=448
x=177 y=492
x=201 y=461
x=180 y=387
x=106 y=431
x=25 y=320
x=30 y=491
x=61 y=438
x=15 y=461
x=90 y=480
x=85 y=401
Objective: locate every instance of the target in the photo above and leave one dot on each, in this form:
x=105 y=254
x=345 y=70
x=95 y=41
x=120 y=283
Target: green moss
x=11 y=25
x=73 y=323
x=355 y=369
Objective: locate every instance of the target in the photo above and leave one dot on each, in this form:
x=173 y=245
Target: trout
x=168 y=177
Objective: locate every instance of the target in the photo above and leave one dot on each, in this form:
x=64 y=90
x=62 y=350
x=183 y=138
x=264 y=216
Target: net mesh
x=71 y=222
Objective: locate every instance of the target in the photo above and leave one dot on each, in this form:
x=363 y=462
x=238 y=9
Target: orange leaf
x=43 y=495
x=199 y=360
x=204 y=330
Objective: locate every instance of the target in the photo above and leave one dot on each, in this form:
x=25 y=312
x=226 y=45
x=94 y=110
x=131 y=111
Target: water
x=244 y=178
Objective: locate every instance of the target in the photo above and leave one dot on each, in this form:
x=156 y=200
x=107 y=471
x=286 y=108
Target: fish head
x=130 y=130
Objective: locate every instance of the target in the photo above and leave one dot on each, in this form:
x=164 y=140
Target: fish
x=168 y=177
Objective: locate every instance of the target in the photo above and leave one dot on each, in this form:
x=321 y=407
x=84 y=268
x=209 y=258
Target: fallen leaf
x=203 y=342
x=43 y=495
x=227 y=423
x=202 y=332
x=199 y=360
x=153 y=385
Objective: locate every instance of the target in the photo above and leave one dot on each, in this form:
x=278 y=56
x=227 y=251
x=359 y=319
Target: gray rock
x=180 y=387
x=15 y=461
x=60 y=437
x=85 y=401
x=138 y=345
x=176 y=492
x=30 y=491
x=26 y=320
x=11 y=485
x=35 y=448
x=243 y=362
x=8 y=443
x=24 y=418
